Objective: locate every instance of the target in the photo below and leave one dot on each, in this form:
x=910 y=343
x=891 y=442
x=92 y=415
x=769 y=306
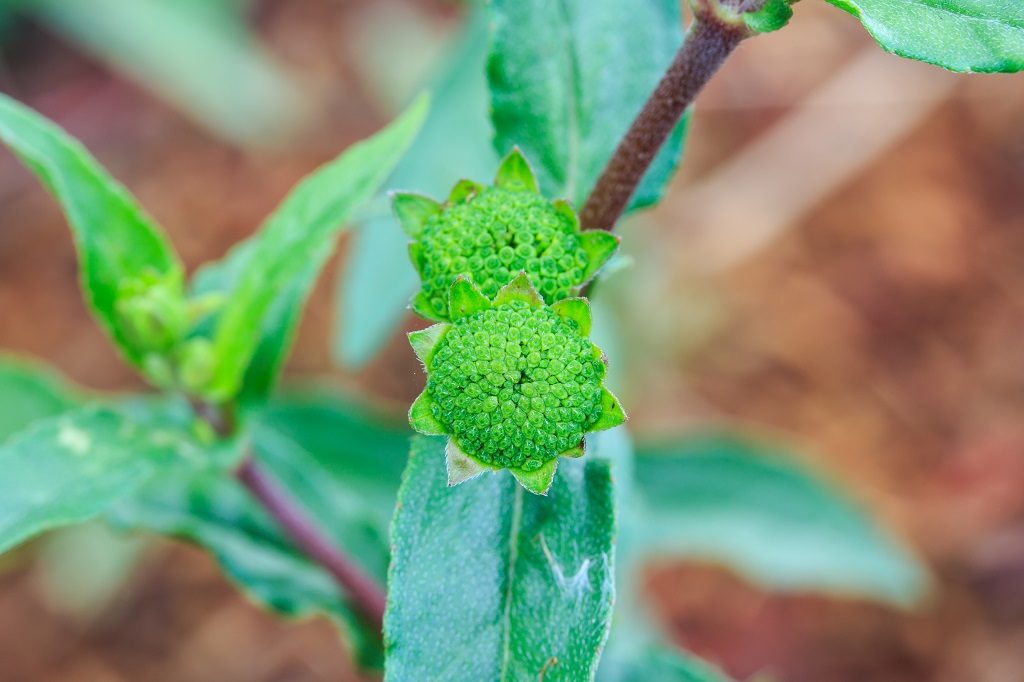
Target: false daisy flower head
x=491 y=233
x=512 y=382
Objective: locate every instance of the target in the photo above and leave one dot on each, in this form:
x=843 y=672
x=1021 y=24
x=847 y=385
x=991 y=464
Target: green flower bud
x=152 y=310
x=514 y=383
x=489 y=234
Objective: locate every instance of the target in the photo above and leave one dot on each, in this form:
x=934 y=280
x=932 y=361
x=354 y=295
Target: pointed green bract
x=424 y=341
x=599 y=246
x=424 y=307
x=575 y=452
x=519 y=289
x=460 y=466
x=463 y=190
x=515 y=173
x=413 y=211
x=611 y=412
x=465 y=299
x=539 y=480
x=421 y=416
x=576 y=310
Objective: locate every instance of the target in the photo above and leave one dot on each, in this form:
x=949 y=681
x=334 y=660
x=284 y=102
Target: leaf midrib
x=513 y=556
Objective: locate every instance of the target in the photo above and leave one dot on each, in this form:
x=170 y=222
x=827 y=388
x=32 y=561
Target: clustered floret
x=491 y=234
x=513 y=379
x=495 y=235
x=516 y=385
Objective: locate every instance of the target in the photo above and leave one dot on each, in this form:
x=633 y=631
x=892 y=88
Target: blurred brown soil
x=884 y=330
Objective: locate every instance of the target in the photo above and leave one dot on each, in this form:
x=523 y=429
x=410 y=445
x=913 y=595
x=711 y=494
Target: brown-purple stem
x=366 y=596
x=709 y=41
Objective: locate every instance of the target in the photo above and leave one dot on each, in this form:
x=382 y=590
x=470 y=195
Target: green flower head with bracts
x=489 y=234
x=513 y=383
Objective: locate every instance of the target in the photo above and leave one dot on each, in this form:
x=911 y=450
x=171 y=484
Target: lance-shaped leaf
x=962 y=35
x=71 y=467
x=424 y=341
x=116 y=241
x=567 y=78
x=488 y=582
x=735 y=500
x=279 y=265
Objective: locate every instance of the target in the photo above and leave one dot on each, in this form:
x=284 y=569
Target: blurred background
x=842 y=252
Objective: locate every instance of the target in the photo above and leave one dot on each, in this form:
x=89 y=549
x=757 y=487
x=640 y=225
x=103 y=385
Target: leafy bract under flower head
x=489 y=234
x=514 y=383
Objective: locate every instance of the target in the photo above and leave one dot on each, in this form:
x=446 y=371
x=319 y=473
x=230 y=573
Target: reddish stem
x=367 y=597
x=709 y=41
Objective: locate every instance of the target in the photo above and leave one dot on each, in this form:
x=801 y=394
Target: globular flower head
x=512 y=382
x=490 y=234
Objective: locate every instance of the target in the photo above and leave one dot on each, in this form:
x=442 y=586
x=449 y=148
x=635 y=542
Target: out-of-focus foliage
x=199 y=55
x=726 y=498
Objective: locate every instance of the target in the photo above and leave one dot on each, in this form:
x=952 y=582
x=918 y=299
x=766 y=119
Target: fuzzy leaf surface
x=115 y=239
x=728 y=499
x=961 y=35
x=567 y=78
x=489 y=582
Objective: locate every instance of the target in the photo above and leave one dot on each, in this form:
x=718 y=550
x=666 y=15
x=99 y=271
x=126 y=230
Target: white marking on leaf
x=73 y=439
x=575 y=585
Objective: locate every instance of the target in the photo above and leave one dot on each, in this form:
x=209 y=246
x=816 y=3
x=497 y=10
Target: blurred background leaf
x=374 y=289
x=731 y=499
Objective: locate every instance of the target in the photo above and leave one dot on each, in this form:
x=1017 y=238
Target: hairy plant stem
x=366 y=596
x=710 y=39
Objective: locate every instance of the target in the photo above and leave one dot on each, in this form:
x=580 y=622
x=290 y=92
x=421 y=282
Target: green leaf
x=341 y=461
x=489 y=582
x=567 y=78
x=69 y=468
x=282 y=261
x=28 y=392
x=961 y=35
x=724 y=498
x=660 y=664
x=455 y=142
x=116 y=241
